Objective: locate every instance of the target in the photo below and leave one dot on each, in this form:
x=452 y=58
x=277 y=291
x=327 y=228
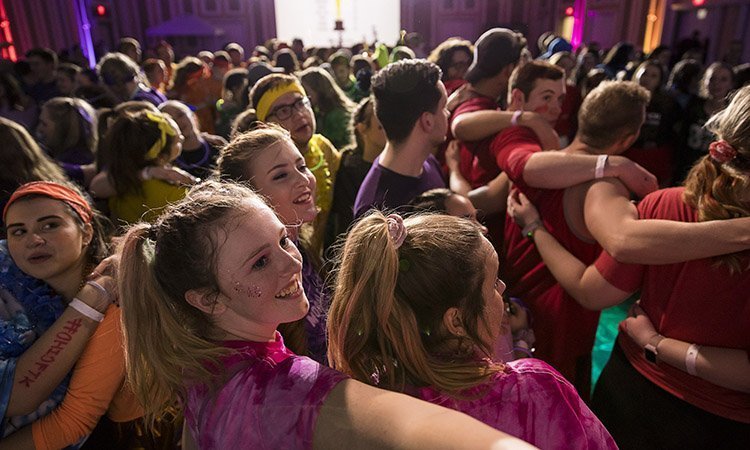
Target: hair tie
x=722 y=151
x=54 y=191
x=165 y=129
x=396 y=229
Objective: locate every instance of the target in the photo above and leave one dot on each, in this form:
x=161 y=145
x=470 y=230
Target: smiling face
x=546 y=99
x=280 y=174
x=46 y=242
x=718 y=81
x=259 y=272
x=301 y=123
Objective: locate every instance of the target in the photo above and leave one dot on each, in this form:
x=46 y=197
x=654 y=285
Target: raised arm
x=478 y=125
x=359 y=416
x=613 y=221
x=41 y=368
x=726 y=367
x=584 y=283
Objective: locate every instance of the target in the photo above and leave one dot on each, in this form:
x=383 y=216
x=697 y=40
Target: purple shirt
x=317 y=316
x=532 y=401
x=271 y=399
x=150 y=95
x=385 y=189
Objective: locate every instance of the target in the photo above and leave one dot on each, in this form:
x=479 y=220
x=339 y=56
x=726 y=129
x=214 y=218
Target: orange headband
x=53 y=191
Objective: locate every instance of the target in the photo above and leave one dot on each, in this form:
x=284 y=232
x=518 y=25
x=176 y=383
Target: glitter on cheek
x=250 y=291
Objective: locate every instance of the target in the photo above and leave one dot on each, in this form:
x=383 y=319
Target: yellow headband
x=273 y=94
x=165 y=128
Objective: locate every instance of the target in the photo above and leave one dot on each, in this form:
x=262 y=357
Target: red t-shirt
x=478 y=166
x=564 y=330
x=694 y=301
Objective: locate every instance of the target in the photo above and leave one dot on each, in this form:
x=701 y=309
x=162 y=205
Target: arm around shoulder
x=358 y=415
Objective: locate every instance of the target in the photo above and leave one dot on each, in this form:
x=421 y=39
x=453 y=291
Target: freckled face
x=259 y=272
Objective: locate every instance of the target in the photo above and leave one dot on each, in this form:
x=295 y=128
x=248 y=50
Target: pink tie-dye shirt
x=270 y=400
x=532 y=401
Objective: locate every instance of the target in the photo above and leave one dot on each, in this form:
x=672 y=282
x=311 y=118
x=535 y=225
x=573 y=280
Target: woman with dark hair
x=123 y=78
x=333 y=109
x=453 y=56
x=68 y=131
x=715 y=85
x=287 y=60
x=61 y=354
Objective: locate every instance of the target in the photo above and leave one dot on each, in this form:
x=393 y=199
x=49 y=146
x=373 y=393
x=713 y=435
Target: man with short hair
x=410 y=103
x=43 y=65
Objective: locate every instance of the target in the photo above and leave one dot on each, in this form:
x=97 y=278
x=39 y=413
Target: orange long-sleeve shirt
x=96 y=387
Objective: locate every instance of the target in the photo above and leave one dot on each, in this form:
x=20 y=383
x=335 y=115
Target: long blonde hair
x=169 y=342
x=385 y=325
x=722 y=190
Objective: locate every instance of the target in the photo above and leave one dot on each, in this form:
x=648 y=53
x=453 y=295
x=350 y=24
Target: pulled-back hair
x=235 y=159
x=611 y=111
x=169 y=343
x=720 y=190
x=235 y=164
x=116 y=70
x=75 y=125
x=267 y=83
x=385 y=325
x=432 y=201
x=403 y=91
x=127 y=142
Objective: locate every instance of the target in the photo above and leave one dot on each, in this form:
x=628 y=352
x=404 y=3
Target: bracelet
x=86 y=310
x=99 y=288
x=690 y=357
x=514 y=118
x=529 y=229
x=601 y=161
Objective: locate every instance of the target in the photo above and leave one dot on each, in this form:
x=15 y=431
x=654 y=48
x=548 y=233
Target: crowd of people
x=317 y=247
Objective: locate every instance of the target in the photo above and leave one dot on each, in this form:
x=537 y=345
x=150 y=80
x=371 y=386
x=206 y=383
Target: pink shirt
x=532 y=401
x=271 y=399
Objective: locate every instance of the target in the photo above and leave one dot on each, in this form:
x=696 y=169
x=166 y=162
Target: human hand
x=543 y=130
x=521 y=210
x=637 y=179
x=171 y=175
x=453 y=156
x=638 y=326
x=99 y=293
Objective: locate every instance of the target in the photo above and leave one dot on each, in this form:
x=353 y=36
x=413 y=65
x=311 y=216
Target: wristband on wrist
x=601 y=162
x=86 y=310
x=146 y=173
x=514 y=118
x=651 y=349
x=99 y=288
x=528 y=230
x=690 y=358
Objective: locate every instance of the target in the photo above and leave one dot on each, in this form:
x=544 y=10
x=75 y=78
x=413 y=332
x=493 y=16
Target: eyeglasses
x=286 y=111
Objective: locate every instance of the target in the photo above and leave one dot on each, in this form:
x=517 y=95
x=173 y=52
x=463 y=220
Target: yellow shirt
x=323 y=160
x=146 y=206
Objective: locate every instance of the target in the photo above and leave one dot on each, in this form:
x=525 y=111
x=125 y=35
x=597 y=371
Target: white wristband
x=514 y=118
x=146 y=173
x=690 y=357
x=601 y=162
x=86 y=310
